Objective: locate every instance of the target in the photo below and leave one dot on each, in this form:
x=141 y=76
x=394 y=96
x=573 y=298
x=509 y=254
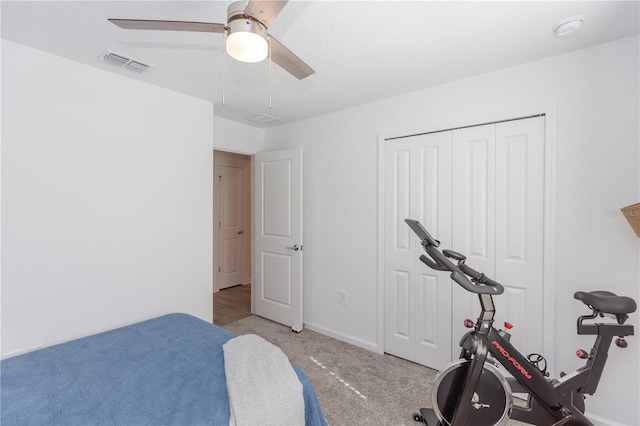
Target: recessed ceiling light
x=569 y=26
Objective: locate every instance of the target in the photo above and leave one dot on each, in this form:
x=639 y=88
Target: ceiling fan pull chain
x=270 y=61
x=224 y=43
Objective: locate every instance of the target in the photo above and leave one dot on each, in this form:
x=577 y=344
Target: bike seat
x=607 y=302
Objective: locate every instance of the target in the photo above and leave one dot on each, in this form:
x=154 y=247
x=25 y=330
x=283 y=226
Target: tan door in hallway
x=230 y=224
x=232 y=220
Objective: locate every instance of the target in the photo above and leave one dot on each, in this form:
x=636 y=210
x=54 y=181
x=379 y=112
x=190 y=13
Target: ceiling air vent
x=263 y=119
x=123 y=61
x=136 y=66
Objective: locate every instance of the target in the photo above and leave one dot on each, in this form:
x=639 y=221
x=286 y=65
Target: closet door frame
x=550 y=113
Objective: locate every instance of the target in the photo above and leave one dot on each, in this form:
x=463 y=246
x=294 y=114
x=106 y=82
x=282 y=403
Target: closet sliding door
x=480 y=190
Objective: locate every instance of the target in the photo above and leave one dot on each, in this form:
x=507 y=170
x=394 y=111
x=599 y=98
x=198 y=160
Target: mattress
x=167 y=370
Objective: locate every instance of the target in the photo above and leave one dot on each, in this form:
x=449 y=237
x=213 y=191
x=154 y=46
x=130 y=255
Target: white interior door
x=417 y=298
x=230 y=225
x=278 y=236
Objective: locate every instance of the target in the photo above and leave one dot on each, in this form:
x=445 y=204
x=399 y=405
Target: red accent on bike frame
x=582 y=354
x=621 y=343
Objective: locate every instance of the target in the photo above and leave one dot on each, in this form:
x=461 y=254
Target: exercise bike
x=473 y=391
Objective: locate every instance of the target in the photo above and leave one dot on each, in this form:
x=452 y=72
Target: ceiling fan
x=246 y=33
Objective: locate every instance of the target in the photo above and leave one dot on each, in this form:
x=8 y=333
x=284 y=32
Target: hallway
x=231 y=304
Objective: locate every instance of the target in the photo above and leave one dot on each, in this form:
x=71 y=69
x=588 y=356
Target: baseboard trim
x=373 y=347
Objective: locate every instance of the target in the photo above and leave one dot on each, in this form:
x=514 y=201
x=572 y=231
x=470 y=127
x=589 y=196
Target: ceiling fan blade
x=265 y=11
x=288 y=60
x=148 y=24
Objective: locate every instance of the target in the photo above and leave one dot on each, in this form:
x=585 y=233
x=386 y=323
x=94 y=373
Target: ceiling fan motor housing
x=246 y=36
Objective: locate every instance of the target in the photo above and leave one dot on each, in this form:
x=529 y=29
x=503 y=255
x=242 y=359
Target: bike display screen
x=421 y=232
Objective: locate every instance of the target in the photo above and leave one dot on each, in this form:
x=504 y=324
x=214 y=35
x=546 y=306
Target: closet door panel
x=433 y=210
x=399 y=252
x=473 y=201
x=519 y=228
x=417 y=185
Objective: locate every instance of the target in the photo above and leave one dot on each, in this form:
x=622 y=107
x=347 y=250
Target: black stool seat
x=607 y=302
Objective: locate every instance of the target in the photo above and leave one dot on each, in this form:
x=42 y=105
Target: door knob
x=240 y=232
x=294 y=247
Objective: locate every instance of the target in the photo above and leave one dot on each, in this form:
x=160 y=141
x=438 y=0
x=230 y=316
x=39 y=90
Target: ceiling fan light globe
x=246 y=39
x=247 y=47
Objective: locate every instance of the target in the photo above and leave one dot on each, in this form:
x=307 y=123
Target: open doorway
x=231 y=237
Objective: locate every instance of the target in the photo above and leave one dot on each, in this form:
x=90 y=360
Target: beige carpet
x=354 y=386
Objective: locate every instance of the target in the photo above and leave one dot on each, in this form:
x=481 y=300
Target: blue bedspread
x=168 y=370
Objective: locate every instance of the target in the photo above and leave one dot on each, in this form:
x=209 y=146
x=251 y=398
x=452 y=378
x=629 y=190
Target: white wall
x=236 y=137
x=106 y=200
x=595 y=92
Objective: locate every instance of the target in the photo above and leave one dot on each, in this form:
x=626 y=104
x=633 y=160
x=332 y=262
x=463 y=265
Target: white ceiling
x=361 y=50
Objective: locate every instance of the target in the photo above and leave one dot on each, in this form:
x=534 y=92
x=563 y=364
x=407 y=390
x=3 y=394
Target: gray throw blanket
x=263 y=387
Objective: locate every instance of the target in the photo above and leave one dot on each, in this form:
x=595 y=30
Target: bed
x=167 y=370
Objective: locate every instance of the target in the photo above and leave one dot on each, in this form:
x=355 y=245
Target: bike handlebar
x=438 y=260
x=481 y=278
